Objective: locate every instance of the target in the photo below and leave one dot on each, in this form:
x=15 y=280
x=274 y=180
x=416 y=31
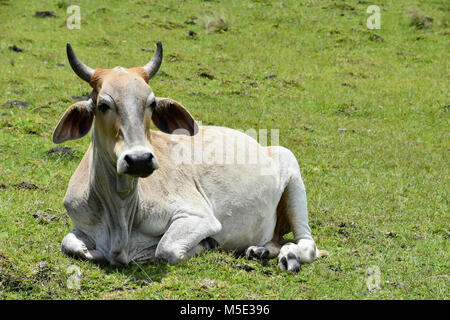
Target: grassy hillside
x=366 y=112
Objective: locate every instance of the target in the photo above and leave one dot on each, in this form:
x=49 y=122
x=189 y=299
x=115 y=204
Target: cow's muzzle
x=137 y=164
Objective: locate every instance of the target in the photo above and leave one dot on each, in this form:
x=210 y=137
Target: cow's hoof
x=256 y=253
x=292 y=255
x=289 y=263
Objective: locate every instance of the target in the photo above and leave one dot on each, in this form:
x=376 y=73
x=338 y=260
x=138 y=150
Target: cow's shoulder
x=79 y=183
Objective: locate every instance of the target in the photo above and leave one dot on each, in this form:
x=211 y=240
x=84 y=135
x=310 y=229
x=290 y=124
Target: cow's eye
x=103 y=107
x=153 y=105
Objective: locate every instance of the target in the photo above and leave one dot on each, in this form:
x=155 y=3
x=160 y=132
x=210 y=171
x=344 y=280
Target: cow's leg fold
x=204 y=245
x=79 y=245
x=186 y=237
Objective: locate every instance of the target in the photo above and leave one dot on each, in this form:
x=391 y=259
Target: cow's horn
x=82 y=70
x=153 y=65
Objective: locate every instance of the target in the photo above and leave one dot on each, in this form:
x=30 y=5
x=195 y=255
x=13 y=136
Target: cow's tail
x=321 y=253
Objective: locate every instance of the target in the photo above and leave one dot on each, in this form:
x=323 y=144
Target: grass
x=366 y=112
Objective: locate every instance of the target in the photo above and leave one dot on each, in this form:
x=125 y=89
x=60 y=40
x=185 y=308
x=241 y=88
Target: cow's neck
x=117 y=196
x=104 y=175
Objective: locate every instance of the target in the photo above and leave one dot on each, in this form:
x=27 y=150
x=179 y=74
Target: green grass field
x=366 y=112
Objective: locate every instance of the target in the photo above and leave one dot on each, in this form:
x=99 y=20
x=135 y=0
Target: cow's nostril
x=138 y=159
x=147 y=157
x=128 y=160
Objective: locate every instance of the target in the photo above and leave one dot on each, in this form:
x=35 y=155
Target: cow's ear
x=75 y=123
x=171 y=117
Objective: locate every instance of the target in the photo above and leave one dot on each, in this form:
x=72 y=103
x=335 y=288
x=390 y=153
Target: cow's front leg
x=186 y=236
x=79 y=245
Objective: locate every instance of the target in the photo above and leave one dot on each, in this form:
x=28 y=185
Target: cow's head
x=121 y=106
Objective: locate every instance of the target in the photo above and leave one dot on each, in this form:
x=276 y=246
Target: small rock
x=442 y=276
x=207 y=283
x=192 y=33
x=80 y=98
x=44 y=14
x=270 y=76
x=17 y=103
x=42 y=268
x=29 y=186
x=145 y=16
x=375 y=37
x=390 y=234
x=15 y=48
x=44 y=216
x=190 y=22
x=342 y=129
x=61 y=151
x=243 y=267
x=205 y=74
x=41 y=265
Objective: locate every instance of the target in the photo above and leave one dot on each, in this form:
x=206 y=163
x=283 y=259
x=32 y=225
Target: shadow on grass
x=145 y=272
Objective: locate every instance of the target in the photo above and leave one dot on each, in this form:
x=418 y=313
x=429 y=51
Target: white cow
x=124 y=210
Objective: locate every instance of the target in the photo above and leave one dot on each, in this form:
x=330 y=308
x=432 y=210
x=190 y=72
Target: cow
x=132 y=200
